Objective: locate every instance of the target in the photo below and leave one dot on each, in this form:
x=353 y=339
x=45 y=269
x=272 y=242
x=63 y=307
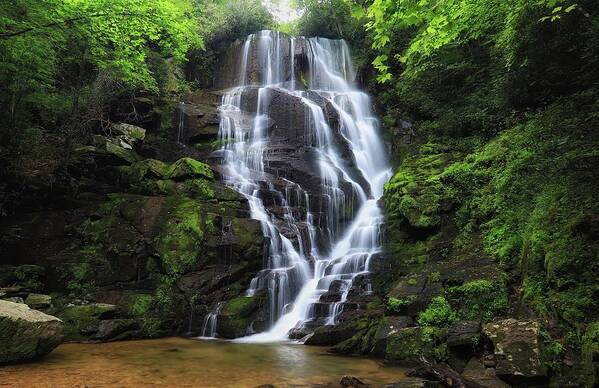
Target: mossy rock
x=121 y=153
x=82 y=321
x=409 y=344
x=26 y=334
x=38 y=301
x=404 y=345
x=237 y=316
x=145 y=169
x=187 y=168
x=132 y=131
x=184 y=225
x=241 y=307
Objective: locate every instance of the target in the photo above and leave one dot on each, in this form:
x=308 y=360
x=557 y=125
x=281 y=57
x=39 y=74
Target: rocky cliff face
x=138 y=247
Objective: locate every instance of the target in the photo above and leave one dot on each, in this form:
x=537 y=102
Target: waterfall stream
x=321 y=236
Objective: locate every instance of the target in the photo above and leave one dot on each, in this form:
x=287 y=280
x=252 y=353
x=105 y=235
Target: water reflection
x=192 y=363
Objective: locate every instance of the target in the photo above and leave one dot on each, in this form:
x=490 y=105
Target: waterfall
x=181 y=127
x=321 y=236
x=209 y=324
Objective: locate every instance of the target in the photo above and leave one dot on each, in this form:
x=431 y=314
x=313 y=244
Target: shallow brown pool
x=178 y=362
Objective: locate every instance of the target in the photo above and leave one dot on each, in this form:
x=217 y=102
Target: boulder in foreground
x=26 y=334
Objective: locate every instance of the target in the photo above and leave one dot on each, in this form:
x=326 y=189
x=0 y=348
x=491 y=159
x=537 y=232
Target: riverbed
x=179 y=362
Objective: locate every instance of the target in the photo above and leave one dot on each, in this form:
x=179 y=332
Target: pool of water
x=192 y=363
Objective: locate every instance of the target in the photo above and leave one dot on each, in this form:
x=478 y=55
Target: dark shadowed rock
x=117 y=329
x=475 y=371
x=351 y=381
x=463 y=333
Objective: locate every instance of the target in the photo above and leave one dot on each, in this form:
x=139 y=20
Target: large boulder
x=26 y=334
x=518 y=351
x=241 y=316
x=132 y=132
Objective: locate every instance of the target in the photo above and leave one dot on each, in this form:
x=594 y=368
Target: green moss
x=398 y=306
x=199 y=188
x=148 y=168
x=479 y=300
x=81 y=320
x=184 y=225
x=241 y=307
x=186 y=168
x=414 y=193
x=411 y=343
x=141 y=305
x=122 y=153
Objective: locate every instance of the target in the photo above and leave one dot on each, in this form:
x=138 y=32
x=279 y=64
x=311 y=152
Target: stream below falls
x=192 y=363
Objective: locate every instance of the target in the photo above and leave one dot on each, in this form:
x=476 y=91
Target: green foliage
x=438 y=24
x=141 y=305
x=479 y=300
x=397 y=306
x=438 y=314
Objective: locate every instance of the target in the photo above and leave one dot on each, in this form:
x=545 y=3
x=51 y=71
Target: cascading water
x=332 y=239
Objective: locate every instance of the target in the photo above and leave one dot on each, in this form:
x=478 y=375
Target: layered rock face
x=141 y=247
x=26 y=334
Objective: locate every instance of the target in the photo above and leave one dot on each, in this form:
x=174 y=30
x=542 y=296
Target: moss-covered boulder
x=518 y=351
x=131 y=131
x=38 y=301
x=145 y=169
x=411 y=343
x=187 y=168
x=83 y=321
x=240 y=316
x=26 y=334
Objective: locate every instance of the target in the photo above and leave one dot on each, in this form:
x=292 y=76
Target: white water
x=295 y=279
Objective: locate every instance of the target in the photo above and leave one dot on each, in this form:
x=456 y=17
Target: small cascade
x=209 y=325
x=180 y=139
x=323 y=224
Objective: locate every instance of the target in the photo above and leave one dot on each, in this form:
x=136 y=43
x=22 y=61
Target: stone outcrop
x=143 y=247
x=518 y=351
x=26 y=334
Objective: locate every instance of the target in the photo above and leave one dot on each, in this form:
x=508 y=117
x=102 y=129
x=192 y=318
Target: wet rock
x=330 y=335
x=518 y=351
x=38 y=301
x=351 y=381
x=298 y=333
x=26 y=334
